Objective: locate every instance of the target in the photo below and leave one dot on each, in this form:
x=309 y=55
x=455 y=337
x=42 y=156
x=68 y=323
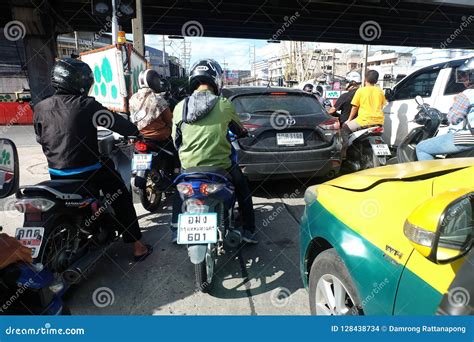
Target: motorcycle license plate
x=290 y=139
x=197 y=228
x=31 y=237
x=141 y=162
x=381 y=149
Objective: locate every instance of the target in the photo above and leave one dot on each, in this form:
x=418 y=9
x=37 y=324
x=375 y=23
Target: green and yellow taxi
x=387 y=241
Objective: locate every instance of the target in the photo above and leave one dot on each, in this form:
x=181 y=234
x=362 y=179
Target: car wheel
x=331 y=289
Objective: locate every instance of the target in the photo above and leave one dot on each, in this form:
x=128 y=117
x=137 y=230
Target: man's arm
x=101 y=116
x=337 y=105
x=354 y=111
x=235 y=125
x=458 y=111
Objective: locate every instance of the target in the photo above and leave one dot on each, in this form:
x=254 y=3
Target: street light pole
x=115 y=27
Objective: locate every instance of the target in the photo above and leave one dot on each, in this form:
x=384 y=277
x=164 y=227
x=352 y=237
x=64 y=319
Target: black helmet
x=206 y=71
x=72 y=76
x=308 y=87
x=149 y=78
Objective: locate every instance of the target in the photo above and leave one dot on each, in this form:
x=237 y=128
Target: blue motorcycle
x=206 y=223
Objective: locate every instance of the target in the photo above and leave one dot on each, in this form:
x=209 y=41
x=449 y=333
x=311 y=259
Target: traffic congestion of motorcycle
x=194 y=149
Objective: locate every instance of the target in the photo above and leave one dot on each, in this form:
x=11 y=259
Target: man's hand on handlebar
x=12 y=251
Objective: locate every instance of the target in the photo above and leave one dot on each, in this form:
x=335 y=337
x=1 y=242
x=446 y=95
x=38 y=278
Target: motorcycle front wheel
x=150 y=196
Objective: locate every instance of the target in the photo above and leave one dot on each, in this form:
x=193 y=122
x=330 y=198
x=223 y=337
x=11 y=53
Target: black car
x=291 y=134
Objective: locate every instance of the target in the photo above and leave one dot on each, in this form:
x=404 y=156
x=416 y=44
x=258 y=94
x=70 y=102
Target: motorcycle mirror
x=419 y=100
x=9 y=168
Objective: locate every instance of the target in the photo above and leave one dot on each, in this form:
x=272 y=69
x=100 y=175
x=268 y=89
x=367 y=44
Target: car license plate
x=141 y=162
x=381 y=149
x=290 y=139
x=197 y=228
x=31 y=237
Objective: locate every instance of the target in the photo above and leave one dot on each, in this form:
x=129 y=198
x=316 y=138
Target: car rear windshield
x=269 y=103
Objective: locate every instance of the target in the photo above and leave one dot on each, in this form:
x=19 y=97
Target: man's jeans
x=244 y=198
x=443 y=144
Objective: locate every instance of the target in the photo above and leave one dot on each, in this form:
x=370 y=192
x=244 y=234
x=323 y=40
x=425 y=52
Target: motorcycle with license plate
x=366 y=149
x=69 y=225
x=206 y=223
x=151 y=179
x=25 y=289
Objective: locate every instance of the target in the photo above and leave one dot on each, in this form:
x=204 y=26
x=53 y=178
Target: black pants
x=109 y=181
x=244 y=198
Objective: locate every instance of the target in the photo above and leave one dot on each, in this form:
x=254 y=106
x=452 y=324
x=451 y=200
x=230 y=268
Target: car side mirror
x=389 y=94
x=441 y=229
x=9 y=168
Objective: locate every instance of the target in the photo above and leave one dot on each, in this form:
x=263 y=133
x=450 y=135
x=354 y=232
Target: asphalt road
x=252 y=280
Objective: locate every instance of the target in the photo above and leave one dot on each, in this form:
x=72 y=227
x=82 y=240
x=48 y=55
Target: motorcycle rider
x=308 y=87
x=344 y=102
x=200 y=132
x=153 y=117
x=66 y=127
x=367 y=105
x=460 y=136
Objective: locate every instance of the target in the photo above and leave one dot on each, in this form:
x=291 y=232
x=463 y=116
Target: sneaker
x=174 y=236
x=249 y=237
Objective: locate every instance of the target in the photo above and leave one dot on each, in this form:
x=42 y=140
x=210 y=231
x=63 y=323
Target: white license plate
x=290 y=139
x=141 y=162
x=381 y=149
x=31 y=237
x=197 y=228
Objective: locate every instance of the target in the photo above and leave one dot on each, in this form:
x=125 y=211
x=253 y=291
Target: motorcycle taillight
x=140 y=146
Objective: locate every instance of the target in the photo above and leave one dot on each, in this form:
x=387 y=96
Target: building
x=426 y=56
x=391 y=66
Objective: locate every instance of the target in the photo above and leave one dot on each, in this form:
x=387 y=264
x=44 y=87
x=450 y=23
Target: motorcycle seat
x=64 y=189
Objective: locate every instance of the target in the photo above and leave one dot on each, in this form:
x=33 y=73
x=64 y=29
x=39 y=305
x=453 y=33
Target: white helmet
x=353 y=77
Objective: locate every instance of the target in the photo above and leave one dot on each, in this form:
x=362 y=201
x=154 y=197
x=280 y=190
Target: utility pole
x=115 y=27
x=333 y=64
x=364 y=68
x=76 y=40
x=137 y=29
x=254 y=66
x=164 y=54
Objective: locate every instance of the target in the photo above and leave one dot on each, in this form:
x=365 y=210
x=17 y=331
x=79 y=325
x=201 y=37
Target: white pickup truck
x=435 y=84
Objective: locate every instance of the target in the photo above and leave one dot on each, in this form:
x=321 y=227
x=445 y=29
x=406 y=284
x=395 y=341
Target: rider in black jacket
x=66 y=127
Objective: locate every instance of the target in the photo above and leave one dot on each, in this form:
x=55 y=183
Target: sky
x=234 y=53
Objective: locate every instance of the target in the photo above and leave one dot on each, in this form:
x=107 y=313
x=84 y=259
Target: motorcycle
x=366 y=149
x=67 y=224
x=151 y=180
x=430 y=121
x=207 y=220
x=25 y=289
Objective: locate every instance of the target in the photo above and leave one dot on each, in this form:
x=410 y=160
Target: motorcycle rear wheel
x=204 y=272
x=150 y=196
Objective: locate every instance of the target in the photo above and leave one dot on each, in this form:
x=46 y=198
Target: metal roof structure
x=424 y=23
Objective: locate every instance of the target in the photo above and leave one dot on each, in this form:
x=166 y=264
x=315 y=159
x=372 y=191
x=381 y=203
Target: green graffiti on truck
x=5 y=159
x=103 y=77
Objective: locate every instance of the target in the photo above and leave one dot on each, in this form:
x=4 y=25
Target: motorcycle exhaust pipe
x=78 y=270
